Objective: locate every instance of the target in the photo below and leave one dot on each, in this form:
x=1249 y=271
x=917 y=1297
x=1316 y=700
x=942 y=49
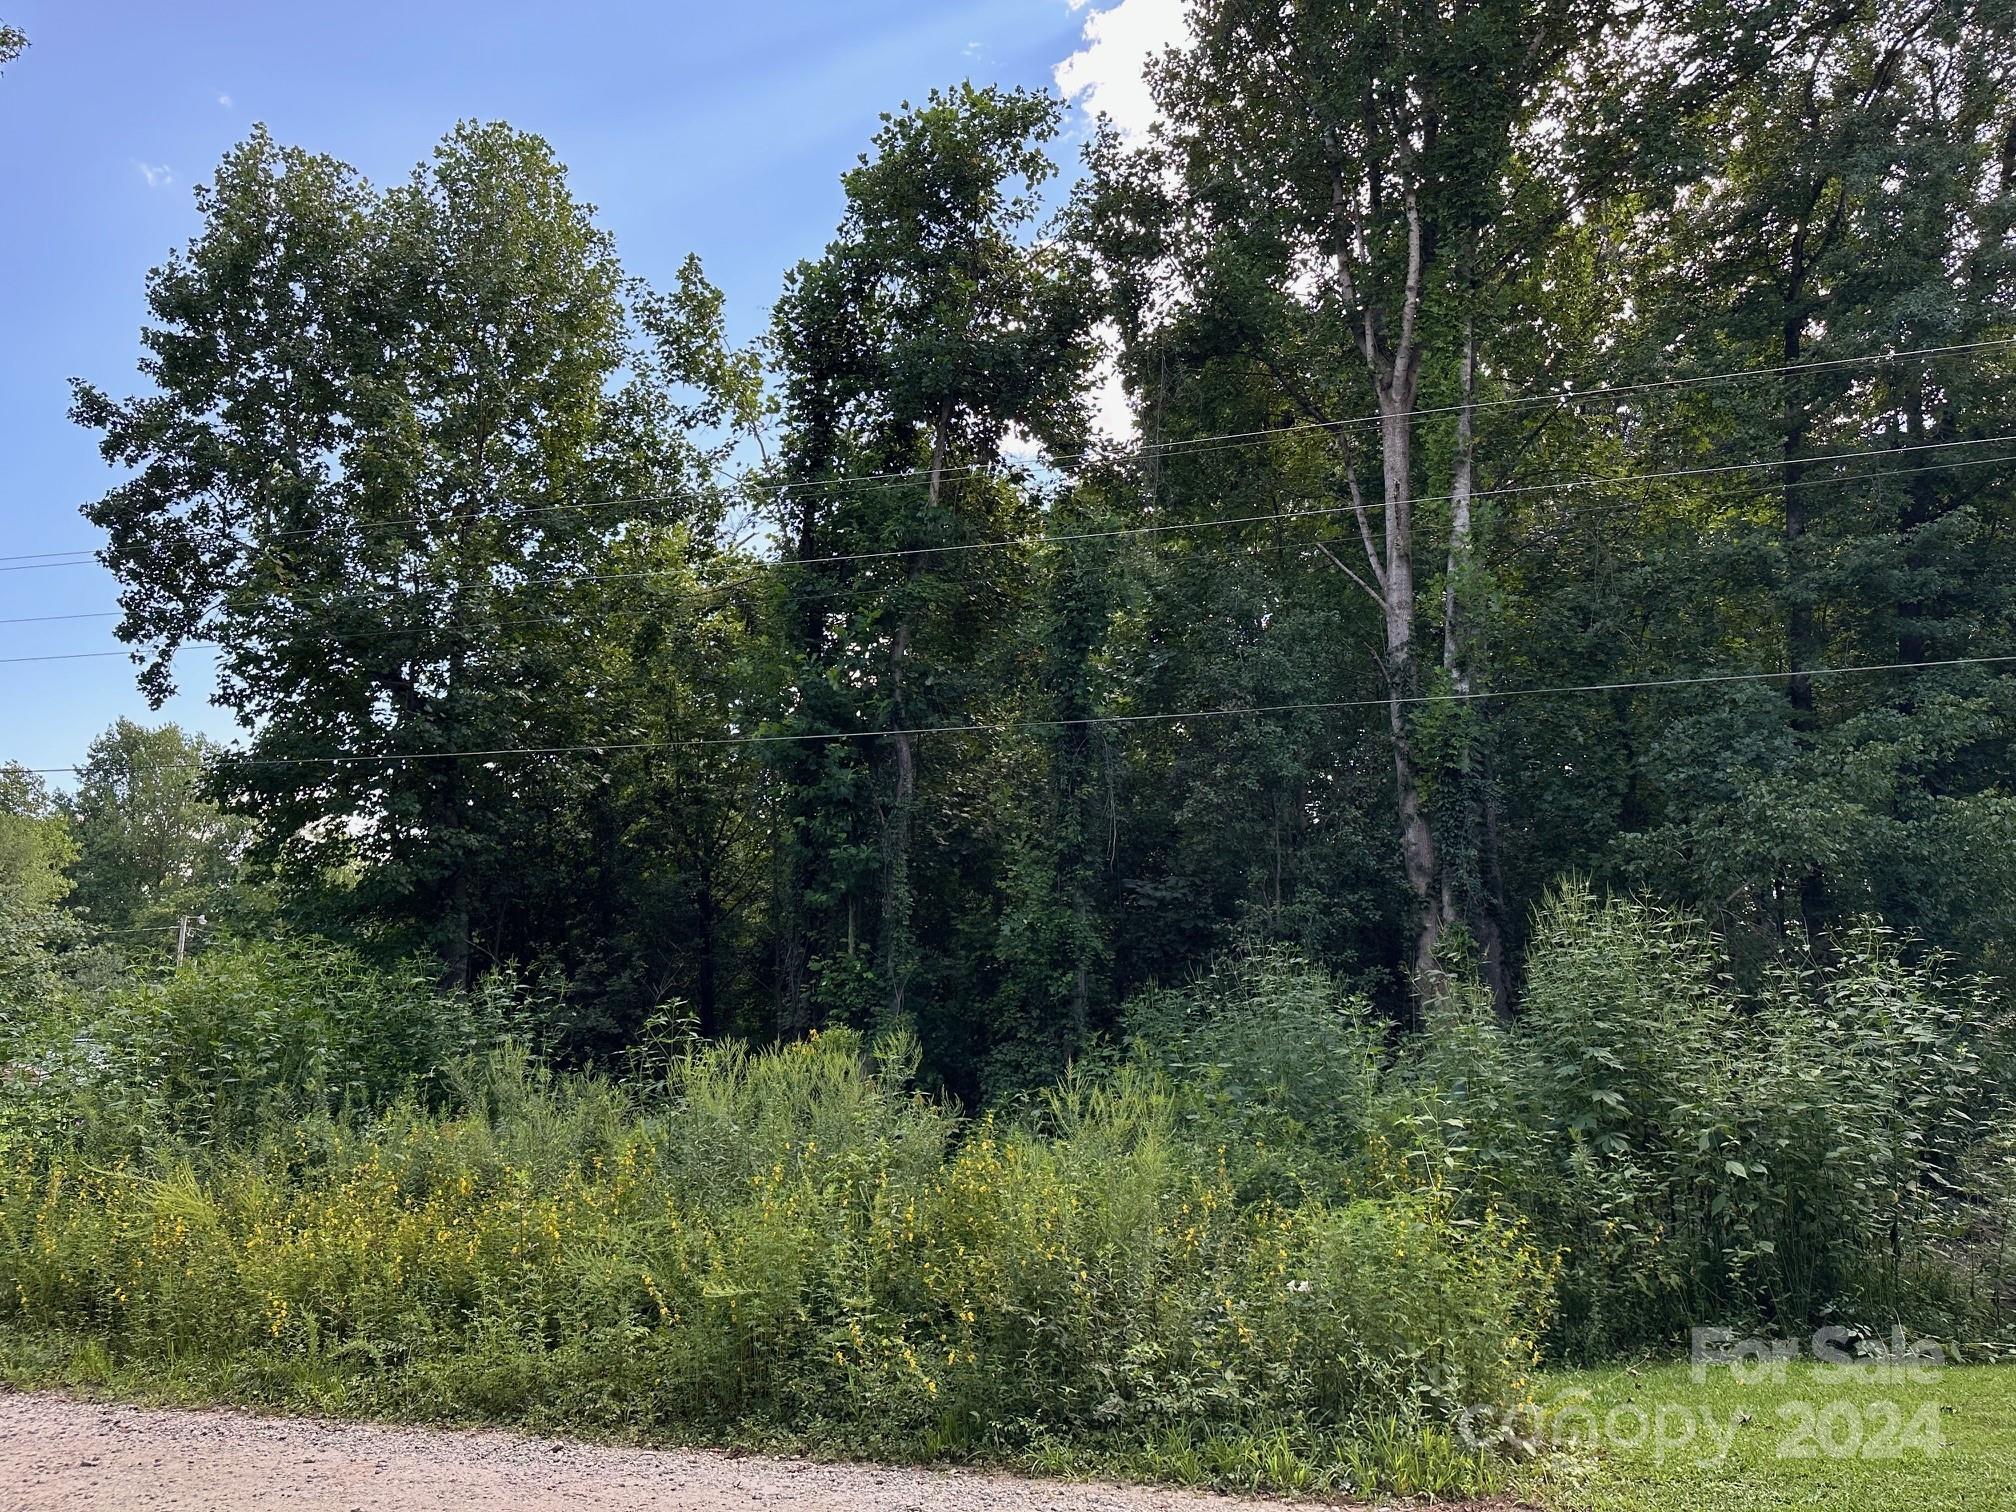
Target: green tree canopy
x=151 y=844
x=36 y=844
x=386 y=431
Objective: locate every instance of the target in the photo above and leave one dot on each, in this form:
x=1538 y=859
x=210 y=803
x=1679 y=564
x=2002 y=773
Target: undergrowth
x=788 y=1244
x=1266 y=1246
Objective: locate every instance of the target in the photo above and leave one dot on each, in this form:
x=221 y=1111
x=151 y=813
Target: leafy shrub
x=1626 y=1051
x=248 y=1033
x=1868 y=1113
x=1822 y=1150
x=1811 y=1154
x=787 y=1239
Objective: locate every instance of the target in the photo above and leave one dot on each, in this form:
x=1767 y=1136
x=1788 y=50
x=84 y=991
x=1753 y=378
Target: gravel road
x=56 y=1451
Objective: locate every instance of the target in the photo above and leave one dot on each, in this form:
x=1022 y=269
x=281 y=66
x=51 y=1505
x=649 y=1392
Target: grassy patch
x=1390 y=1456
x=1881 y=1441
x=786 y=1246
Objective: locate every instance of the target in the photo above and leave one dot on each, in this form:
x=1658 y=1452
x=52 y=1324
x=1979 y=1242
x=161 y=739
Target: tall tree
x=151 y=845
x=1863 y=203
x=36 y=845
x=933 y=325
x=1344 y=184
x=388 y=429
x=1055 y=933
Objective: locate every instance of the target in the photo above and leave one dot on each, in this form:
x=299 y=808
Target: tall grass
x=788 y=1241
x=1269 y=1246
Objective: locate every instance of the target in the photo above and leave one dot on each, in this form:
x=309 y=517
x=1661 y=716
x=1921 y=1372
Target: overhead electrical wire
x=1369 y=506
x=44 y=619
x=711 y=590
x=1016 y=726
x=1191 y=445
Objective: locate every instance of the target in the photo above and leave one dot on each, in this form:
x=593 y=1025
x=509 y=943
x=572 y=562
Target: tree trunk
x=1395 y=374
x=1483 y=901
x=1403 y=682
x=896 y=899
x=707 y=1008
x=456 y=952
x=794 y=998
x=1800 y=633
x=458 y=903
x=898 y=909
x=1922 y=508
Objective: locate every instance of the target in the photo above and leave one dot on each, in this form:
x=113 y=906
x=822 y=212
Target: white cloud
x=1107 y=75
x=1112 y=410
x=1112 y=413
x=224 y=100
x=157 y=175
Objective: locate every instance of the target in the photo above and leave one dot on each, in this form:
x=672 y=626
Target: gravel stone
x=57 y=1451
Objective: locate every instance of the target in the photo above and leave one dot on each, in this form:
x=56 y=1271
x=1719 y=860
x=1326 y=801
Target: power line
x=62 y=656
x=56 y=656
x=1567 y=485
x=1612 y=391
x=1255 y=437
x=996 y=727
x=31 y=556
x=43 y=619
x=1267 y=517
x=1217 y=441
x=1190 y=444
x=83 y=561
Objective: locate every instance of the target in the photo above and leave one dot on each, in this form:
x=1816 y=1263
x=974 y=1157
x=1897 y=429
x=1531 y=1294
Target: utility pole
x=181 y=940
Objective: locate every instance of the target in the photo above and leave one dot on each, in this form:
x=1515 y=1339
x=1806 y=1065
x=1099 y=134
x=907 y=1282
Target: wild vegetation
x=1260 y=1245
x=801 y=891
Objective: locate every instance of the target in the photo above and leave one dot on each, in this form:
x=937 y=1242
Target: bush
x=782 y=1240
x=253 y=1032
x=1867 y=1147
x=1817 y=1153
x=1823 y=1150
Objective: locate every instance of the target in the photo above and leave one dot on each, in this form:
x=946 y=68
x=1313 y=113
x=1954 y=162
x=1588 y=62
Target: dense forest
x=840 y=884
x=1568 y=440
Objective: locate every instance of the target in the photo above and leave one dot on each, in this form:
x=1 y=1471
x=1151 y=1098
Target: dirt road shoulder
x=60 y=1452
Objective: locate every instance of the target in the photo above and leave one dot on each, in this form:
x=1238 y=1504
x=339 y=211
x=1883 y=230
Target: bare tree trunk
x=1483 y=904
x=1395 y=373
x=1403 y=685
x=1398 y=388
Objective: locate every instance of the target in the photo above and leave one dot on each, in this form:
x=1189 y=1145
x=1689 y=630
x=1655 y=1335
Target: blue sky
x=718 y=129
